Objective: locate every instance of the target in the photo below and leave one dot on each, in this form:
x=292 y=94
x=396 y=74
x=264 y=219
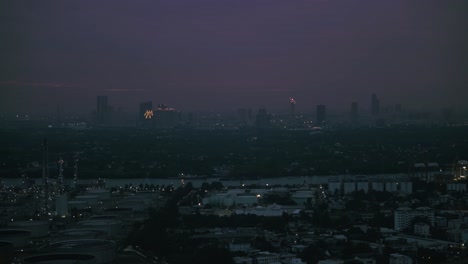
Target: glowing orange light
x=148 y=114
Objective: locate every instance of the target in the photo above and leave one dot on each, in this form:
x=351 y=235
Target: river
x=227 y=183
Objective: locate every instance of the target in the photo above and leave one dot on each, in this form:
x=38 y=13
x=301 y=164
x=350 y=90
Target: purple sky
x=226 y=54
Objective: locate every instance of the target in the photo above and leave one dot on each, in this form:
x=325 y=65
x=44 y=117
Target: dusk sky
x=220 y=55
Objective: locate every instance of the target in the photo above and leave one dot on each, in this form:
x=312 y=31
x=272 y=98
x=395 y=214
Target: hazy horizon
x=223 y=55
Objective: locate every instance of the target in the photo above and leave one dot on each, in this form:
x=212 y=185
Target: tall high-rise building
x=102 y=110
x=398 y=108
x=375 y=105
x=165 y=117
x=321 y=114
x=146 y=112
x=354 y=116
x=263 y=118
x=190 y=119
x=242 y=115
x=292 y=106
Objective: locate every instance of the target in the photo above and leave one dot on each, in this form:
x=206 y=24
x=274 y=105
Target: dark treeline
x=246 y=153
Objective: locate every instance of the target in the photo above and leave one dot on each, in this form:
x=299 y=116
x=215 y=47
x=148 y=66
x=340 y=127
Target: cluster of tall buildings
x=322 y=117
x=355 y=117
x=245 y=115
x=107 y=115
x=161 y=116
x=148 y=116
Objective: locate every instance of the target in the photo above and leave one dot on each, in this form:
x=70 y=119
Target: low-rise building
x=400 y=259
x=404 y=215
x=331 y=261
x=364 y=259
x=422 y=229
x=272 y=210
x=236 y=246
x=266 y=258
x=456 y=187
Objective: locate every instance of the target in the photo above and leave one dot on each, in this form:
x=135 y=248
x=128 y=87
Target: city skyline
x=216 y=56
x=288 y=105
x=222 y=131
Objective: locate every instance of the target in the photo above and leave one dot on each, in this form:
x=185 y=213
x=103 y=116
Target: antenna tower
x=45 y=179
x=75 y=173
x=60 y=177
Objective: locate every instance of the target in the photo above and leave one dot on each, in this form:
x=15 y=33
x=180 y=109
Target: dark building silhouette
x=263 y=118
x=242 y=114
x=321 y=114
x=375 y=105
x=191 y=119
x=292 y=120
x=354 y=115
x=398 y=108
x=165 y=117
x=102 y=110
x=292 y=106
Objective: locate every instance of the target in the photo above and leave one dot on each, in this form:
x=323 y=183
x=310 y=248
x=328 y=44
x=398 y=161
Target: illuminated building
x=146 y=112
x=460 y=170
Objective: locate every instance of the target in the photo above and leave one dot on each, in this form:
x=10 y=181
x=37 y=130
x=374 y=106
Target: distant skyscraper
x=102 y=110
x=263 y=118
x=146 y=112
x=354 y=113
x=398 y=108
x=191 y=119
x=292 y=106
x=375 y=105
x=321 y=114
x=165 y=117
x=242 y=114
x=292 y=122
